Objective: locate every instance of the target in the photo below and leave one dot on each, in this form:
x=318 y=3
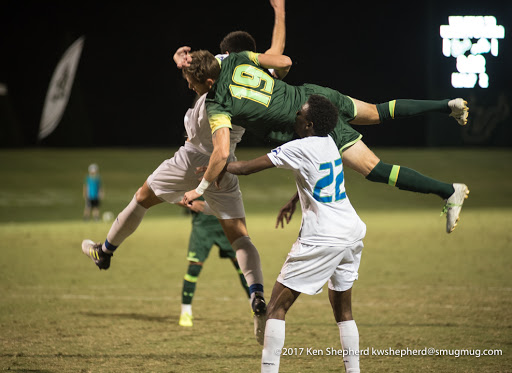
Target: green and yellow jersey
x=246 y=95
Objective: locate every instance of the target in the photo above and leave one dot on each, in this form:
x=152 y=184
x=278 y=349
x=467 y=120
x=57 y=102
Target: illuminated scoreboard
x=470 y=40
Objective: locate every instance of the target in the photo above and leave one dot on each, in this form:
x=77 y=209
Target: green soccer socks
x=409 y=108
x=408 y=179
x=189 y=283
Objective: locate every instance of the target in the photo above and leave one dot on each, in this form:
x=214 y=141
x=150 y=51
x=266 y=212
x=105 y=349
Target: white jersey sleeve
x=288 y=156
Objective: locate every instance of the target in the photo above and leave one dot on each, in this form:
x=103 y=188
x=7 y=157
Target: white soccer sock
x=274 y=342
x=349 y=336
x=126 y=223
x=248 y=260
x=186 y=308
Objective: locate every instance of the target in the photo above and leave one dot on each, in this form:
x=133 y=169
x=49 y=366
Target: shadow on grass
x=131 y=316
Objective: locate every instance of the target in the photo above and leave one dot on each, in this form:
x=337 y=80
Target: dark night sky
x=127 y=91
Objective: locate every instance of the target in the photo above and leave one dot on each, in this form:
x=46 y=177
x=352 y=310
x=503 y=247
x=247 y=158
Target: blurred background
x=126 y=91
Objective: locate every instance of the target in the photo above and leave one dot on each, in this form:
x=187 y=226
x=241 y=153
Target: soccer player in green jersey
x=206 y=232
x=243 y=93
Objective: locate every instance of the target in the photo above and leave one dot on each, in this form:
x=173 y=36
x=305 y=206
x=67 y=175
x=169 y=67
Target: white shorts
x=176 y=176
x=307 y=268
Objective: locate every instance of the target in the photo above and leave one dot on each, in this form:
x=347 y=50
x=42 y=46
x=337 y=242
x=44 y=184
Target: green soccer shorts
x=202 y=239
x=344 y=135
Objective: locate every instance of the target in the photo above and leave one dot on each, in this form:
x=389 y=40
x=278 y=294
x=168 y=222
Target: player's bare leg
x=249 y=261
x=360 y=158
x=341 y=303
x=123 y=226
x=280 y=302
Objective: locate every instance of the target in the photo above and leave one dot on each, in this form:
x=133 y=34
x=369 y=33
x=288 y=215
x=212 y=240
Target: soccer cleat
x=460 y=110
x=453 y=205
x=98 y=256
x=186 y=319
x=259 y=312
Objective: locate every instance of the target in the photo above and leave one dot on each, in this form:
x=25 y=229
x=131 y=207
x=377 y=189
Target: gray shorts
x=176 y=176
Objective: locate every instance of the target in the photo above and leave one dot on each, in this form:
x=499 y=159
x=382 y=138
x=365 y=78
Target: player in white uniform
x=329 y=245
x=177 y=175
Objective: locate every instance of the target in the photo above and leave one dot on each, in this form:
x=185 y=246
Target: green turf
x=419 y=287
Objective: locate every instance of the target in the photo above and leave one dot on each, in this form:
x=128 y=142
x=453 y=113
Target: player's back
x=252 y=98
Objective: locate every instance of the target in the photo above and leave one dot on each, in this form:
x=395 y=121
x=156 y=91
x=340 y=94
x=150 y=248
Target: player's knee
x=139 y=196
x=194 y=269
x=146 y=197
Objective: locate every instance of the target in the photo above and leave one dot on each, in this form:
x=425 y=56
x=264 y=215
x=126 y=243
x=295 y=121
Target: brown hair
x=203 y=66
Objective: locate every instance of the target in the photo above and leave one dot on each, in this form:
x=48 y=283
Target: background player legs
x=96 y=213
x=187 y=294
x=87 y=211
x=341 y=303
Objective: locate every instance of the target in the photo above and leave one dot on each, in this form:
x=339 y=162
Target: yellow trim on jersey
x=392 y=108
x=254 y=57
x=355 y=107
x=219 y=121
x=349 y=144
x=219 y=61
x=393 y=176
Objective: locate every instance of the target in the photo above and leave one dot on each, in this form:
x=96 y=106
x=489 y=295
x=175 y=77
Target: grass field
x=418 y=287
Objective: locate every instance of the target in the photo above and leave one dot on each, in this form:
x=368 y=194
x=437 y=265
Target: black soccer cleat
x=259 y=311
x=259 y=306
x=98 y=256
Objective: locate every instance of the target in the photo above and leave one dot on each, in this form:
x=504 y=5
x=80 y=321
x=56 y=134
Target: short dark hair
x=322 y=113
x=238 y=41
x=203 y=66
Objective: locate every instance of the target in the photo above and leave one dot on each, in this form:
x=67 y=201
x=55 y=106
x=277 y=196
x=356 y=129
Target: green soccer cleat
x=99 y=257
x=460 y=110
x=259 y=312
x=453 y=205
x=186 y=319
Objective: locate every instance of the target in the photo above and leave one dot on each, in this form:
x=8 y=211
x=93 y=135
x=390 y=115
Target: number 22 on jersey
x=336 y=176
x=248 y=84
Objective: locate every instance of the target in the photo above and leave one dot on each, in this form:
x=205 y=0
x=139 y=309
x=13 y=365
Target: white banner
x=59 y=89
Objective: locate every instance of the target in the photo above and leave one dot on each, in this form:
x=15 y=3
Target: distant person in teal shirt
x=93 y=193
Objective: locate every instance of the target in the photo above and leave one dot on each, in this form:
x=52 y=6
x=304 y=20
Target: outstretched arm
x=250 y=167
x=279 y=31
